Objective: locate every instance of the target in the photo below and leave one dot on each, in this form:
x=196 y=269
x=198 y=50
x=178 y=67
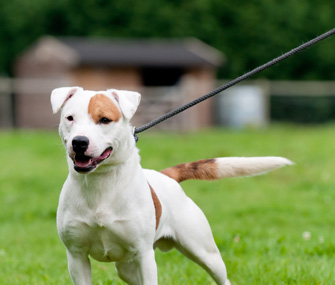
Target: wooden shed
x=166 y=72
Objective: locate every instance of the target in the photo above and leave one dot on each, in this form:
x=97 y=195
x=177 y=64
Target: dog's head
x=94 y=126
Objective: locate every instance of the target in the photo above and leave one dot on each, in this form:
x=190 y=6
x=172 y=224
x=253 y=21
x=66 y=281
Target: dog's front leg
x=140 y=271
x=79 y=268
x=148 y=268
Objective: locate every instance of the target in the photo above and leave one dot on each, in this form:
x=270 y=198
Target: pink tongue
x=85 y=161
x=82 y=161
x=104 y=155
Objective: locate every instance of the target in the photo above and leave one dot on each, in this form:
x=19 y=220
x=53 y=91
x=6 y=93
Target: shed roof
x=189 y=52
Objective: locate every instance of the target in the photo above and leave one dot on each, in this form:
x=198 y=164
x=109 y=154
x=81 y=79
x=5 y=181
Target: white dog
x=113 y=210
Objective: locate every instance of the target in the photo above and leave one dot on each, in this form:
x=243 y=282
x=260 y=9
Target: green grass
x=258 y=222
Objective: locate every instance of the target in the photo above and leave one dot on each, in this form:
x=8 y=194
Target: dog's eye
x=104 y=121
x=69 y=118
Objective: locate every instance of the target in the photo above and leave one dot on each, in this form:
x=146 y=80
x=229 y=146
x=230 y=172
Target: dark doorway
x=161 y=76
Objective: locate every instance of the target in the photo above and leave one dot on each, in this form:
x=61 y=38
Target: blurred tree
x=248 y=32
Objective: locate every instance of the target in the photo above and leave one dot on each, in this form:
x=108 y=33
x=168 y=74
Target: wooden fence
x=25 y=103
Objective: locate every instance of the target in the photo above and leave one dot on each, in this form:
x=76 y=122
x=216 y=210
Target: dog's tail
x=217 y=168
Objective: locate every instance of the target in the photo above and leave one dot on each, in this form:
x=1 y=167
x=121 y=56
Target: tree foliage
x=249 y=33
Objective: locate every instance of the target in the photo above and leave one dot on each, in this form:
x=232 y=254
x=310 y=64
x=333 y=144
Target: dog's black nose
x=80 y=144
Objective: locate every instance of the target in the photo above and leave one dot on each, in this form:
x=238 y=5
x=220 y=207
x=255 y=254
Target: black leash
x=233 y=82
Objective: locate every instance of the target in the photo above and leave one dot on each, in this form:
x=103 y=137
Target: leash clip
x=135 y=135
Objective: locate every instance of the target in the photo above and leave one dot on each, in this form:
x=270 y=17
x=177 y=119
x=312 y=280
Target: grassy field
x=273 y=229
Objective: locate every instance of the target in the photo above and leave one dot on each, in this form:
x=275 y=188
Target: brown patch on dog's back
x=101 y=106
x=205 y=169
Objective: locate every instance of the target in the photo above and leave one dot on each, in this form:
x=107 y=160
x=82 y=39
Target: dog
x=113 y=210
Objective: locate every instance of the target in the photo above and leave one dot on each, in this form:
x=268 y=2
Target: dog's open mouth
x=83 y=163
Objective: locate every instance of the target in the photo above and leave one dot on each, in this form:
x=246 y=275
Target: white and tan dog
x=113 y=210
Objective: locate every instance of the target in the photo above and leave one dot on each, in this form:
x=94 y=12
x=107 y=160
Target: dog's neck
x=108 y=181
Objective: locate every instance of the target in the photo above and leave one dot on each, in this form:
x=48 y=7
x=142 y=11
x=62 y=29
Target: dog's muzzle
x=84 y=163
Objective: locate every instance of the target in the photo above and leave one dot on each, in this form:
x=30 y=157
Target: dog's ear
x=128 y=101
x=59 y=96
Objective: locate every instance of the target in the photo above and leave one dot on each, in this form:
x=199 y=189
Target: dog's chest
x=101 y=234
x=110 y=239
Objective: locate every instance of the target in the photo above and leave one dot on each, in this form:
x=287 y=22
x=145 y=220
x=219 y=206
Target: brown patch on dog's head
x=101 y=106
x=205 y=169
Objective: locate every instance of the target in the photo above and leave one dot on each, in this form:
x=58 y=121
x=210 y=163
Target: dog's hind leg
x=195 y=240
x=211 y=261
